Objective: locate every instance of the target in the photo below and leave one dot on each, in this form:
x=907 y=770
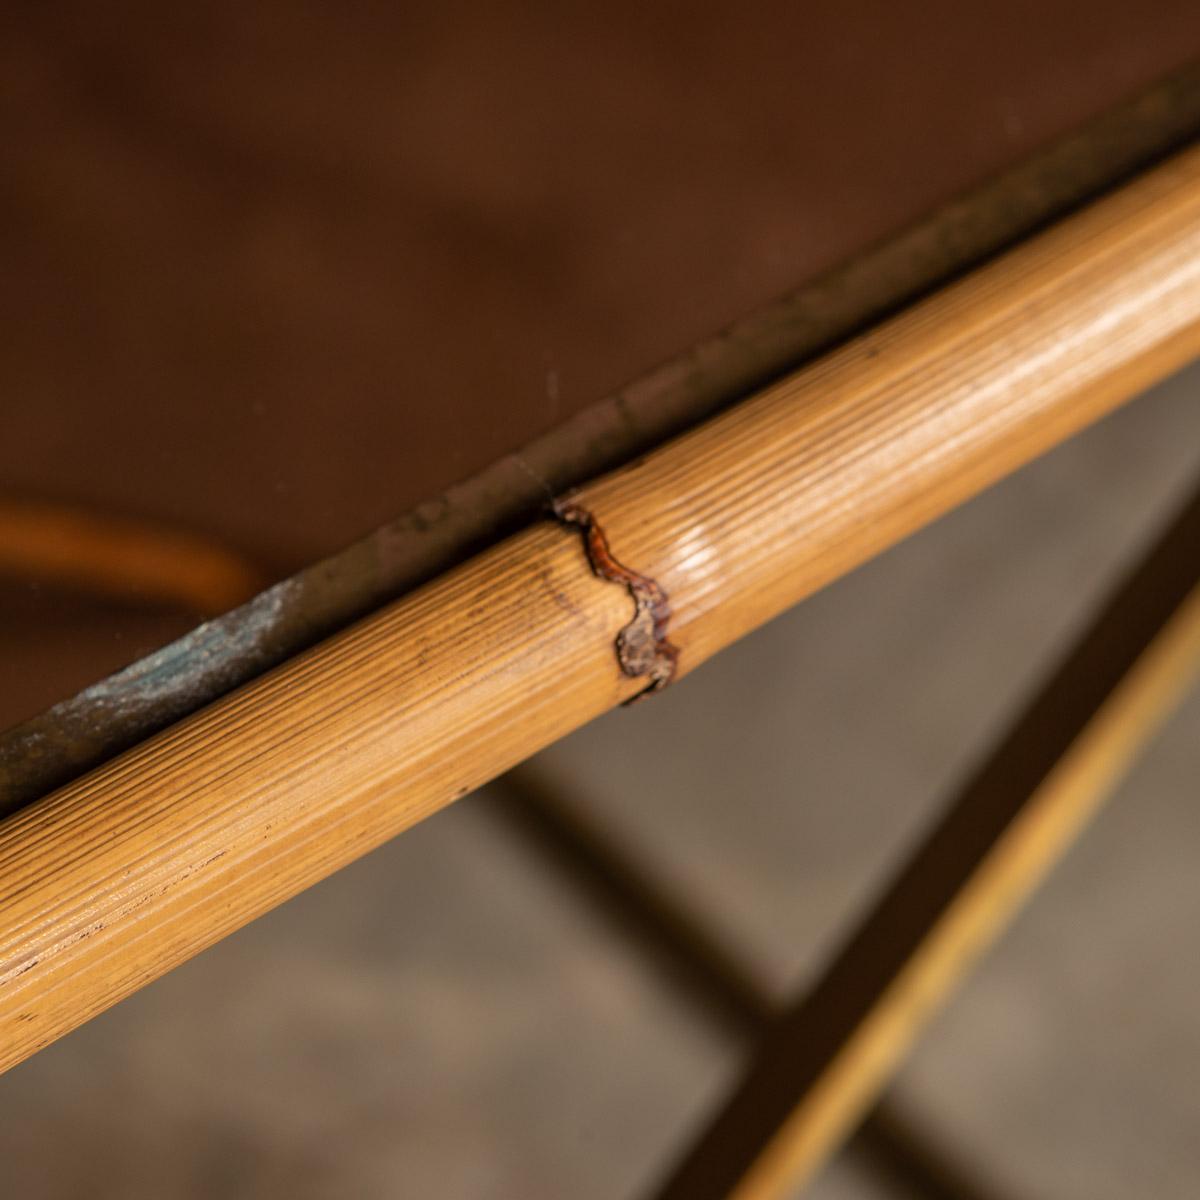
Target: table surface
x=276 y=276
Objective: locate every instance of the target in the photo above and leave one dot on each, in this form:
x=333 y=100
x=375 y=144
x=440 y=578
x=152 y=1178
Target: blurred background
x=272 y=278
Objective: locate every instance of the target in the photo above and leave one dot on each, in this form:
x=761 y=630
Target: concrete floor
x=450 y=1018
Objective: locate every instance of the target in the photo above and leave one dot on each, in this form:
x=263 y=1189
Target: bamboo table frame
x=130 y=869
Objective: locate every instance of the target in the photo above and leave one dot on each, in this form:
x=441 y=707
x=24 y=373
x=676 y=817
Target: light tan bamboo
x=114 y=879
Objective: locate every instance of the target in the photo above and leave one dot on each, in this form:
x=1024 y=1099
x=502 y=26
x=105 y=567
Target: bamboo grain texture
x=115 y=878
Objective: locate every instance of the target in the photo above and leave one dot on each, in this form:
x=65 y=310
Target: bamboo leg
x=707 y=970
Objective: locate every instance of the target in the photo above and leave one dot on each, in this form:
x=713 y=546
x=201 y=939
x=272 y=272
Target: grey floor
x=450 y=1018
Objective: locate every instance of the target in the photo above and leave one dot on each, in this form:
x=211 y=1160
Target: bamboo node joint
x=643 y=648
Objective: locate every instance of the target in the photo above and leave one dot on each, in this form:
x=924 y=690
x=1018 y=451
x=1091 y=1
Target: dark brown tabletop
x=275 y=274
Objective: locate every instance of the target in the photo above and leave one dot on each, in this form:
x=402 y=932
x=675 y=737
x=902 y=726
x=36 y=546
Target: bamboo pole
x=115 y=878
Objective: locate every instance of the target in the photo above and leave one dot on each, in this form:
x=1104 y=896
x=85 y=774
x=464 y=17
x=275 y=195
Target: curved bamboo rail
x=121 y=875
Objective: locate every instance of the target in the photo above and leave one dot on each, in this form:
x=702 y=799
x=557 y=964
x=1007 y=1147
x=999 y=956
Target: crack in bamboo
x=643 y=648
